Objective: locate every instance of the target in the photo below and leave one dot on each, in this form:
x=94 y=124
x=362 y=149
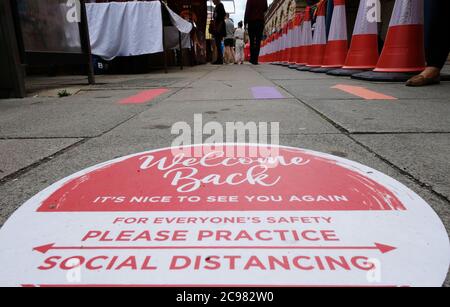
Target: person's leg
x=258 y=38
x=226 y=55
x=438 y=33
x=230 y=55
x=218 y=41
x=232 y=52
x=437 y=46
x=252 y=37
x=239 y=53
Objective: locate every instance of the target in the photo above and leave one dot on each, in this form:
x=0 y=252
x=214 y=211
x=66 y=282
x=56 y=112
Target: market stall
x=124 y=29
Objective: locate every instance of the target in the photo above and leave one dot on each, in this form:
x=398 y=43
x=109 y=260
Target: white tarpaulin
x=129 y=28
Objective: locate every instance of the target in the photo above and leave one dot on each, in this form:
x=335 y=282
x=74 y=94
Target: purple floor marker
x=266 y=92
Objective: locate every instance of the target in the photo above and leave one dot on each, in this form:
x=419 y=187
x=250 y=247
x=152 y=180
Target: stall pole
x=181 y=50
x=164 y=37
x=86 y=42
x=10 y=53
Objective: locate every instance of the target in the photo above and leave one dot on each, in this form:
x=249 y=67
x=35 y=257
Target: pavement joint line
x=424 y=185
x=347 y=133
x=383 y=159
x=128 y=88
x=365 y=101
x=42 y=161
x=234 y=99
x=397 y=132
x=45 y=138
x=303 y=79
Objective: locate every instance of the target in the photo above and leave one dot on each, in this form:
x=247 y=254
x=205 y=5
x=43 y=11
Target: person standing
x=229 y=40
x=219 y=29
x=438 y=43
x=254 y=20
x=239 y=36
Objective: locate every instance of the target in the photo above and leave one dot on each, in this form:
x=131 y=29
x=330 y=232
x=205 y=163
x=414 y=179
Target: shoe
x=217 y=63
x=420 y=80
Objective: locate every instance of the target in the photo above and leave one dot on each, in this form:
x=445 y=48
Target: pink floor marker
x=144 y=96
x=363 y=92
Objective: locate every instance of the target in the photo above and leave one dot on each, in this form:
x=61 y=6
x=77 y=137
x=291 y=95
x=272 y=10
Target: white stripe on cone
x=363 y=25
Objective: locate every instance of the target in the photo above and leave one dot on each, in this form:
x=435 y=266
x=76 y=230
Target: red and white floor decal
x=160 y=218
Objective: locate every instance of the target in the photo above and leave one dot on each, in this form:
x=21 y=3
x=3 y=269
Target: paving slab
x=83 y=115
x=232 y=73
x=16 y=155
x=221 y=90
x=426 y=157
x=225 y=83
x=283 y=73
x=319 y=89
x=294 y=118
x=107 y=147
x=224 y=94
x=382 y=116
x=322 y=89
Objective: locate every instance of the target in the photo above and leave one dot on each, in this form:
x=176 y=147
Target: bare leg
x=431 y=72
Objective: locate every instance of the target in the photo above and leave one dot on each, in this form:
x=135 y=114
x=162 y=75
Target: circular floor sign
x=233 y=215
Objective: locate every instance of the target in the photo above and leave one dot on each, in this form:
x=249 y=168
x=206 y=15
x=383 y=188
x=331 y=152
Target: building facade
x=280 y=12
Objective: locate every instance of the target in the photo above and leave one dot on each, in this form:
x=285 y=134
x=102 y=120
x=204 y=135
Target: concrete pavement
x=44 y=138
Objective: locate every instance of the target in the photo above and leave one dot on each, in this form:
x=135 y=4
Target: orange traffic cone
x=297 y=41
x=292 y=28
x=281 y=52
x=290 y=42
x=319 y=44
x=273 y=48
x=267 y=50
x=287 y=34
x=296 y=31
x=287 y=47
x=282 y=46
x=305 y=39
x=277 y=49
x=262 y=53
x=276 y=54
x=404 y=50
x=337 y=46
x=363 y=54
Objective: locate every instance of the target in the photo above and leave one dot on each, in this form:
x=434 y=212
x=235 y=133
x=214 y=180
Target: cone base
x=345 y=72
x=383 y=77
x=322 y=70
x=445 y=77
x=293 y=66
x=285 y=64
x=359 y=67
x=304 y=68
x=296 y=66
x=401 y=70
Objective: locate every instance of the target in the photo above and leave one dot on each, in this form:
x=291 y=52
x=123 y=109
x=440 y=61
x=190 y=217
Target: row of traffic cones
x=403 y=53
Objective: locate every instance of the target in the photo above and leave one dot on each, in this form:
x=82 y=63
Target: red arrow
x=377 y=246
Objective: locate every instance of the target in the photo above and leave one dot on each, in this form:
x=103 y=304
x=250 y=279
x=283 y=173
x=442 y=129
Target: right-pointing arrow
x=384 y=249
